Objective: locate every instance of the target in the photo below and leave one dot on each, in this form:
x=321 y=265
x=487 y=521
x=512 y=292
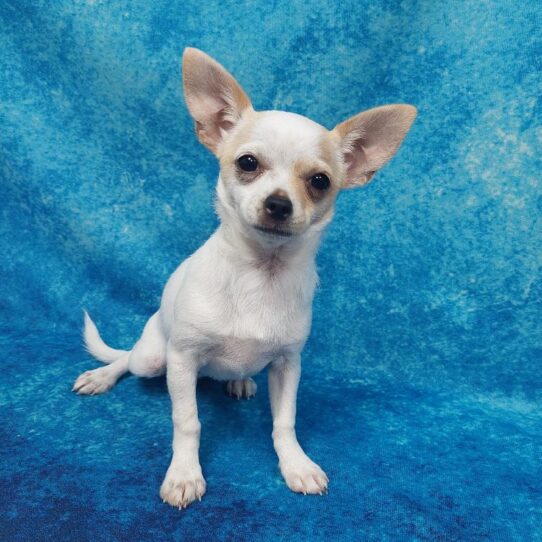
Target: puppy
x=243 y=301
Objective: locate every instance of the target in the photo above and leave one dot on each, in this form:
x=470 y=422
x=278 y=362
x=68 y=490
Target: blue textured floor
x=422 y=388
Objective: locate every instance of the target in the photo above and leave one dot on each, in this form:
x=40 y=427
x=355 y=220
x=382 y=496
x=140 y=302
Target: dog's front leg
x=184 y=481
x=300 y=473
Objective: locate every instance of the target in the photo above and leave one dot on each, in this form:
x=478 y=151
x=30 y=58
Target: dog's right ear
x=214 y=98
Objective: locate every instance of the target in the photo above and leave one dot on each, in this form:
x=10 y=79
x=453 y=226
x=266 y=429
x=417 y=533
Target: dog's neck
x=270 y=255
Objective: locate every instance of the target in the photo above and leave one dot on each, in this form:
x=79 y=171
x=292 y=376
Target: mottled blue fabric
x=422 y=387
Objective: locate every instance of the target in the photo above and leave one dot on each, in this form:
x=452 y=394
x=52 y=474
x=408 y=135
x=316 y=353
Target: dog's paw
x=305 y=476
x=245 y=388
x=182 y=486
x=93 y=382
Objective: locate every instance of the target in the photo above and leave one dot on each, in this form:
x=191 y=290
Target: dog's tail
x=95 y=345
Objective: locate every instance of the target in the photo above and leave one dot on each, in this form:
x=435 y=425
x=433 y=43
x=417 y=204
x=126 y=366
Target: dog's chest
x=255 y=316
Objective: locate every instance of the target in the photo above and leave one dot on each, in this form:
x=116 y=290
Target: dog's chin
x=274 y=231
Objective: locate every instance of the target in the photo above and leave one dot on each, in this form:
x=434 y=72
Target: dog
x=243 y=301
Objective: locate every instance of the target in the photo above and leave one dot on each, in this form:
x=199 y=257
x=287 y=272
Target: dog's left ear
x=214 y=98
x=371 y=138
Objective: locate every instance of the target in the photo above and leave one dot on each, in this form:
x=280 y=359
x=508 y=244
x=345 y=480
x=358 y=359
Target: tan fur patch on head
x=227 y=153
x=330 y=152
x=318 y=203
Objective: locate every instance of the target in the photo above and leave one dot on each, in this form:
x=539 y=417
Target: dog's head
x=280 y=172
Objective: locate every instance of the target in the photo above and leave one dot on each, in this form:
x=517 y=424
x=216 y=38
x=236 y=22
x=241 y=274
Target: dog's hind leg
x=148 y=357
x=102 y=379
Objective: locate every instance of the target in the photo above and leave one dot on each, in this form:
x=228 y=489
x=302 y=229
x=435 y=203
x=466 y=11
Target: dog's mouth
x=274 y=231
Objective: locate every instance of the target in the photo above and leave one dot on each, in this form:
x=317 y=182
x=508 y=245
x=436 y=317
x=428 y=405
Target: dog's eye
x=247 y=162
x=320 y=181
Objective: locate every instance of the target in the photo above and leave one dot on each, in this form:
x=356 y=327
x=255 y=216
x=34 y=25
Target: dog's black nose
x=278 y=207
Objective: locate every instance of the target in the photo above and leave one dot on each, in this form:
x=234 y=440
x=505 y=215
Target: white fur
x=243 y=301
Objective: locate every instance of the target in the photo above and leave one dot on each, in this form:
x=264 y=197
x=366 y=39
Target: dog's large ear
x=214 y=98
x=371 y=138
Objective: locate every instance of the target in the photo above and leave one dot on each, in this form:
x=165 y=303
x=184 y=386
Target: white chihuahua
x=243 y=301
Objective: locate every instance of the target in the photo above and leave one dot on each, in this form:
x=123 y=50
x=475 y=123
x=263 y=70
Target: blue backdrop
x=422 y=386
